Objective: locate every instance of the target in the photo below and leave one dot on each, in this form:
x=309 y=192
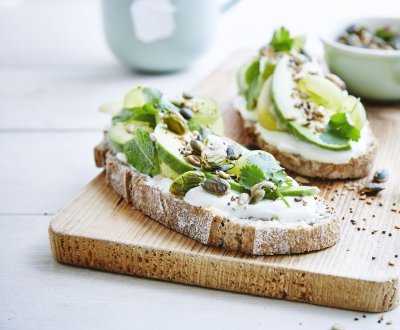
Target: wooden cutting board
x=98 y=230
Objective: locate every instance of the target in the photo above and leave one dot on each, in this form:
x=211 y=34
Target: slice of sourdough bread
x=357 y=167
x=250 y=236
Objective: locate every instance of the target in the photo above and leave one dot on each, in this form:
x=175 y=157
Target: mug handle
x=227 y=5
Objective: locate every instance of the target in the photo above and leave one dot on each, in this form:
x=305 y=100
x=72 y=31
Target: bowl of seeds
x=366 y=55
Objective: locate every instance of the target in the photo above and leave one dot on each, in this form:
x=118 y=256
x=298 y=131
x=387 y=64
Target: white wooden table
x=55 y=69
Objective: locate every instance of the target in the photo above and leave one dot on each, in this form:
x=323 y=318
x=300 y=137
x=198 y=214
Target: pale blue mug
x=160 y=35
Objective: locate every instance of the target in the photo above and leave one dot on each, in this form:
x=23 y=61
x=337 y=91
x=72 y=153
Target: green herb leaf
x=141 y=153
x=148 y=113
x=151 y=95
x=257 y=73
x=281 y=40
x=250 y=175
x=143 y=104
x=270 y=167
x=282 y=198
x=253 y=71
x=341 y=126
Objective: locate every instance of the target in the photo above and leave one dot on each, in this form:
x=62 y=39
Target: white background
x=55 y=69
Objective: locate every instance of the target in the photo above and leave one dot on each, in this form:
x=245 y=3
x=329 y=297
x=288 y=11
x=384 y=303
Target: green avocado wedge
x=169 y=149
x=284 y=105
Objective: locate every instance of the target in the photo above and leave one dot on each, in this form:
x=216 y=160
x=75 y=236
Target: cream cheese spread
x=301 y=213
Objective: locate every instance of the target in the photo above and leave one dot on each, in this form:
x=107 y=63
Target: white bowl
x=369 y=73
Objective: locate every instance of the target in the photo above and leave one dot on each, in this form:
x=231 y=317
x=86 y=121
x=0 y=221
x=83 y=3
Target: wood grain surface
x=97 y=229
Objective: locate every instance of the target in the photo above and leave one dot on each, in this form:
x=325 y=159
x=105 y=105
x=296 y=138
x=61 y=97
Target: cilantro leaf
x=281 y=40
x=250 y=175
x=270 y=167
x=141 y=153
x=341 y=126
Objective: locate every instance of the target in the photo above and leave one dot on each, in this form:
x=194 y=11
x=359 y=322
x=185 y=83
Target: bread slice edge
x=245 y=236
x=356 y=168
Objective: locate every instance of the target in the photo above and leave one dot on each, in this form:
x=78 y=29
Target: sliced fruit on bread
x=305 y=118
x=185 y=174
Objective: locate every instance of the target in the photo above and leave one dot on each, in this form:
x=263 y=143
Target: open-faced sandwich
x=303 y=116
x=171 y=161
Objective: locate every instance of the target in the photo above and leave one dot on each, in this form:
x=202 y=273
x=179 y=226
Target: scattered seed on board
x=372 y=188
x=381 y=176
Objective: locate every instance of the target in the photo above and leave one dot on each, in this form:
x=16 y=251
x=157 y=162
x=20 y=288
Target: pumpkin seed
x=186 y=113
x=212 y=159
x=372 y=188
x=243 y=198
x=233 y=152
x=224 y=167
x=194 y=160
x=258 y=191
x=176 y=123
x=257 y=196
x=381 y=176
x=188 y=180
x=262 y=185
x=216 y=186
x=197 y=146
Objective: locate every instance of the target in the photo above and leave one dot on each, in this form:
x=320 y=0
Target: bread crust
x=356 y=168
x=253 y=237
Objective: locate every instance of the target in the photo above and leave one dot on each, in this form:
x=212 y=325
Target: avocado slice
x=169 y=147
x=118 y=136
x=284 y=105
